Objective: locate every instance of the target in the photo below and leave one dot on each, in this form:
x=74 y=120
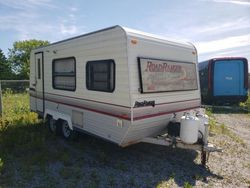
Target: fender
x=57 y=115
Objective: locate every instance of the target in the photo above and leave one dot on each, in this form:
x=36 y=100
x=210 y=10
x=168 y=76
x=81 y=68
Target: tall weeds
x=16 y=111
x=246 y=104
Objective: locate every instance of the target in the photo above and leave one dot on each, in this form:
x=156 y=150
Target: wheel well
x=59 y=117
x=48 y=116
x=60 y=120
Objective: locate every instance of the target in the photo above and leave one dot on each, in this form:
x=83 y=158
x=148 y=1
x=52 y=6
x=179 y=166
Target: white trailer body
x=119 y=84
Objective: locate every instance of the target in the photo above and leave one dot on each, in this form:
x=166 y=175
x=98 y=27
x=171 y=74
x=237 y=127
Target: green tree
x=19 y=56
x=5 y=69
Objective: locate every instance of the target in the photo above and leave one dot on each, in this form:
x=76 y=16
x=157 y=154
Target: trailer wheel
x=51 y=123
x=67 y=133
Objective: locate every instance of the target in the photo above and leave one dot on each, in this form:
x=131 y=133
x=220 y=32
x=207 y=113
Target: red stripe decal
x=124 y=116
x=85 y=108
x=163 y=113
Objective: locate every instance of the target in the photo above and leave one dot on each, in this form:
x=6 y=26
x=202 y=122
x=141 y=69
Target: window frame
x=111 y=61
x=141 y=88
x=39 y=68
x=61 y=74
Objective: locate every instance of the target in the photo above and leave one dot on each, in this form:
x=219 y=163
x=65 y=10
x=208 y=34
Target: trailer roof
x=149 y=36
x=129 y=32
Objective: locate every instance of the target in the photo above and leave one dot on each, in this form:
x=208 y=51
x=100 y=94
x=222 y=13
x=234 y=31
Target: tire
x=51 y=123
x=66 y=132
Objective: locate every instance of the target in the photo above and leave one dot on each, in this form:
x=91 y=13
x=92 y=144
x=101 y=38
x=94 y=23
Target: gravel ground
x=92 y=162
x=233 y=165
x=145 y=165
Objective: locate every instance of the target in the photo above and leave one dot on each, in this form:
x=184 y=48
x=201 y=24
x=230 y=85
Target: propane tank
x=203 y=120
x=189 y=129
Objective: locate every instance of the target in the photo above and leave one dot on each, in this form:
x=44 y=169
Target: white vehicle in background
x=122 y=85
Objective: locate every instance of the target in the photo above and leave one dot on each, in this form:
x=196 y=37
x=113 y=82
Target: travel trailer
x=119 y=84
x=224 y=80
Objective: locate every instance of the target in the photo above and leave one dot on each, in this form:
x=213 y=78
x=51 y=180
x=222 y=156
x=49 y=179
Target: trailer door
x=39 y=82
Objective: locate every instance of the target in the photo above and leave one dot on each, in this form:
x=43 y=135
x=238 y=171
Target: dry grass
x=246 y=104
x=220 y=128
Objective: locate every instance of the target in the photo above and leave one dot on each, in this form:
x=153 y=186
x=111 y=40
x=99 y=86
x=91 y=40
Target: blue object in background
x=224 y=80
x=229 y=78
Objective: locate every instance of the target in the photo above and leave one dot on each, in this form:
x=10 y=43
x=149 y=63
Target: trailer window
x=165 y=76
x=64 y=74
x=100 y=75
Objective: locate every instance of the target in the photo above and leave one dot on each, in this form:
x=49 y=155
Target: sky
x=217 y=28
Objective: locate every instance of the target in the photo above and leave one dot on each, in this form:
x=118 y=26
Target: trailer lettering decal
x=164 y=67
x=162 y=75
x=144 y=103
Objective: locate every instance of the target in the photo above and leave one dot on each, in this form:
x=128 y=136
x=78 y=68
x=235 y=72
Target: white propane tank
x=203 y=119
x=189 y=129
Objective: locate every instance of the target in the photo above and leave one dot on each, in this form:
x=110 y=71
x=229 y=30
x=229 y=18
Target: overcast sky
x=216 y=27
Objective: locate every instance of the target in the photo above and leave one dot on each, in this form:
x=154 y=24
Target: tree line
x=16 y=66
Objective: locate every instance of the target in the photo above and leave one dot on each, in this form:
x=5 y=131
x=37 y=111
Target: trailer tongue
x=192 y=141
x=205 y=149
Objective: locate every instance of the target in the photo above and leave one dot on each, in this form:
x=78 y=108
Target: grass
x=30 y=154
x=15 y=122
x=26 y=146
x=1 y=166
x=28 y=150
x=187 y=185
x=217 y=128
x=22 y=139
x=16 y=111
x=246 y=104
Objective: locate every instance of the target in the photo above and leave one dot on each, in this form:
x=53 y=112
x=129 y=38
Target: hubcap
x=66 y=130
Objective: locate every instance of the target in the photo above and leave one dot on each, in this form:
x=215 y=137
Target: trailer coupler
x=205 y=152
x=177 y=143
